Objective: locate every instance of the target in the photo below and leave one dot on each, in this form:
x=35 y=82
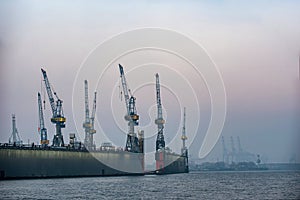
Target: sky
x=255 y=46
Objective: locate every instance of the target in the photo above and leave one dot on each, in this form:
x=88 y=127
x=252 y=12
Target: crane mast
x=183 y=136
x=94 y=112
x=184 y=150
x=160 y=141
x=132 y=144
x=14 y=138
x=42 y=129
x=57 y=113
x=88 y=124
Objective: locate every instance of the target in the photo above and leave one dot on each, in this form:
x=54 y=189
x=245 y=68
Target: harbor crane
x=57 y=113
x=15 y=137
x=160 y=141
x=239 y=144
x=225 y=152
x=42 y=130
x=88 y=124
x=233 y=150
x=132 y=144
x=184 y=150
x=183 y=136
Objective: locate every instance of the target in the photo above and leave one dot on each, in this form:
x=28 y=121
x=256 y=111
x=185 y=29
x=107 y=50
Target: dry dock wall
x=21 y=163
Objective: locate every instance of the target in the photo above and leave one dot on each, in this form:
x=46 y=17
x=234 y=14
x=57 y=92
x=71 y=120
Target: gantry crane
x=240 y=149
x=88 y=124
x=183 y=136
x=132 y=144
x=225 y=152
x=57 y=113
x=233 y=150
x=160 y=141
x=42 y=129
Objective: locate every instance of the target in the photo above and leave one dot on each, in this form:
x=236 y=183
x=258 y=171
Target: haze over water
x=254 y=44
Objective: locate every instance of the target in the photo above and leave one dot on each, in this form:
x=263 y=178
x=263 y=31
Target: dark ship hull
x=30 y=162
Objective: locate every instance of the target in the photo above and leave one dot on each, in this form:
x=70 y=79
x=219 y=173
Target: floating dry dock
x=19 y=162
x=35 y=162
x=85 y=159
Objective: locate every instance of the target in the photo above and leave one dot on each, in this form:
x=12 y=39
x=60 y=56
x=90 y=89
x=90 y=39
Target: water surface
x=195 y=185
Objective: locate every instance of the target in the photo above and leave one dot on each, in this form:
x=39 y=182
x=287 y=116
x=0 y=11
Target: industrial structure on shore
x=78 y=159
x=235 y=159
x=236 y=154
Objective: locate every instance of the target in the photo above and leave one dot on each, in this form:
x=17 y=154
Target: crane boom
x=125 y=89
x=86 y=102
x=49 y=92
x=94 y=110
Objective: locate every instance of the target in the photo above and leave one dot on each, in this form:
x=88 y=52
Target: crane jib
x=49 y=92
x=125 y=89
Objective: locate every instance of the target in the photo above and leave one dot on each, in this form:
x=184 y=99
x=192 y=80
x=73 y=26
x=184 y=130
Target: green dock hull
x=37 y=163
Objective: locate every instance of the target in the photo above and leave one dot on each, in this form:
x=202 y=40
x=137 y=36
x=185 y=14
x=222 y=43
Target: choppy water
x=195 y=185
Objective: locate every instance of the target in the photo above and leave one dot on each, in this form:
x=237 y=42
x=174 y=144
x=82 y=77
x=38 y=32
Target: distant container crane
x=239 y=144
x=225 y=152
x=57 y=113
x=236 y=155
x=233 y=150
